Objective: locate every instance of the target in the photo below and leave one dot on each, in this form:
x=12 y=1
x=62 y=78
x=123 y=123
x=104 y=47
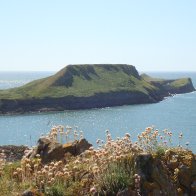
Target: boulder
x=77 y=147
x=50 y=150
x=81 y=146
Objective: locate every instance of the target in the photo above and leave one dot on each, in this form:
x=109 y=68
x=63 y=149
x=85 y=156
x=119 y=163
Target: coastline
x=52 y=110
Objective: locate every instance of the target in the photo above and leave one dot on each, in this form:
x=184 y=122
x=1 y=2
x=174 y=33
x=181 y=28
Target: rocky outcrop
x=13 y=153
x=173 y=174
x=99 y=100
x=154 y=176
x=50 y=150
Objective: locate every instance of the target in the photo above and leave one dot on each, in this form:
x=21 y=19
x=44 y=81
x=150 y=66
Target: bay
x=177 y=114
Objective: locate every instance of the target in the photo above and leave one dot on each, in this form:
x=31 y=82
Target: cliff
x=90 y=86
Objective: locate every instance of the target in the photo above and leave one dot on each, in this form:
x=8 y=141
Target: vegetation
x=107 y=170
x=175 y=84
x=86 y=80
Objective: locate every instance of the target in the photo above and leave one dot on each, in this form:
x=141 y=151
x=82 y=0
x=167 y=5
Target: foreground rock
x=13 y=153
x=162 y=176
x=50 y=150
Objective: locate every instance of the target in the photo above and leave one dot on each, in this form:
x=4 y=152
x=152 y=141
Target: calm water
x=176 y=113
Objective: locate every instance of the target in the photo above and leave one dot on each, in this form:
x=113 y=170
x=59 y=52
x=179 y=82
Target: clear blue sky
x=47 y=34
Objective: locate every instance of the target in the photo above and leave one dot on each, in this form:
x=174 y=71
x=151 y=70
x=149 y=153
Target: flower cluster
x=2 y=161
x=65 y=135
x=106 y=170
x=152 y=139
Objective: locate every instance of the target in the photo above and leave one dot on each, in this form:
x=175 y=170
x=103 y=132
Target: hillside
x=90 y=86
x=82 y=80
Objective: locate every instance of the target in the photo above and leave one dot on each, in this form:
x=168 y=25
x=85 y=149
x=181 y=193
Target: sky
x=46 y=35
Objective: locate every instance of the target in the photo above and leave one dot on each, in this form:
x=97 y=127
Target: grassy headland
x=88 y=86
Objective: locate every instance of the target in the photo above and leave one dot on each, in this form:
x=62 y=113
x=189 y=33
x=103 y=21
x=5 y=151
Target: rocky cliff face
x=71 y=103
x=173 y=174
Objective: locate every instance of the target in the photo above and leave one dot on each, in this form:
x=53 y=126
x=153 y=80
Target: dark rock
x=13 y=153
x=127 y=192
x=154 y=176
x=77 y=147
x=144 y=165
x=81 y=146
x=184 y=177
x=28 y=193
x=49 y=150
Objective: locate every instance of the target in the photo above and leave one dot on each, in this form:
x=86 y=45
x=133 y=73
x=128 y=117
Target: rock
x=184 y=177
x=81 y=146
x=154 y=176
x=12 y=152
x=144 y=165
x=28 y=193
x=173 y=164
x=193 y=188
x=77 y=147
x=50 y=150
x=127 y=192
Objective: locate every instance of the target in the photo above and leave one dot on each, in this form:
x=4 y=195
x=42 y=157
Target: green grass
x=180 y=82
x=82 y=80
x=87 y=80
x=176 y=84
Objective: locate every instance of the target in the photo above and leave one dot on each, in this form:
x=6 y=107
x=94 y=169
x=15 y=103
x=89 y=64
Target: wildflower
x=176 y=171
x=93 y=190
x=76 y=161
x=165 y=142
x=107 y=131
x=52 y=180
x=127 y=135
x=180 y=135
x=98 y=141
x=91 y=148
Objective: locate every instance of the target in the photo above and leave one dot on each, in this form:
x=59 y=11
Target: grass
x=83 y=81
x=180 y=82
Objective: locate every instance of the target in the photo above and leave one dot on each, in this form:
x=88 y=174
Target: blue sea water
x=177 y=114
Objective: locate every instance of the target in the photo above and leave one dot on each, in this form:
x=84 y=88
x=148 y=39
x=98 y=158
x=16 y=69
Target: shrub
x=116 y=177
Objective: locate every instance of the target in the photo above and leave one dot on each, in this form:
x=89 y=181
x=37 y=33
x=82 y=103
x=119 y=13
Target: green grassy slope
x=83 y=81
x=175 y=84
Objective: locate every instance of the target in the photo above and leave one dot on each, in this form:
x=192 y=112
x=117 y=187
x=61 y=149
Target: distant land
x=88 y=86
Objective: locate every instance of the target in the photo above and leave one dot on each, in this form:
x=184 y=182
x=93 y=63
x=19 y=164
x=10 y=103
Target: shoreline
x=52 y=110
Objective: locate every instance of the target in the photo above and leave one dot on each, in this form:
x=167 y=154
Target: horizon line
x=62 y=68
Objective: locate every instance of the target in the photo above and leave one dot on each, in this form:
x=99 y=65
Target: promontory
x=90 y=86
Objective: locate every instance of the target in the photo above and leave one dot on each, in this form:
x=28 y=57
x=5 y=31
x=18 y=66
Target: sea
x=176 y=114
